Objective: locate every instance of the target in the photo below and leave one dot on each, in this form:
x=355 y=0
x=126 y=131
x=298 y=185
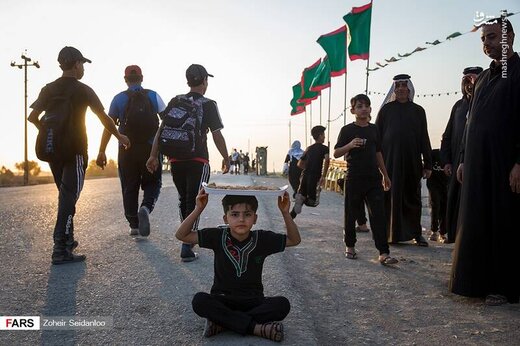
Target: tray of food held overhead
x=251 y=190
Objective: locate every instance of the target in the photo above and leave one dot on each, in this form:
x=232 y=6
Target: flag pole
x=306 y=141
x=310 y=115
x=368 y=59
x=328 y=120
x=320 y=110
x=345 y=97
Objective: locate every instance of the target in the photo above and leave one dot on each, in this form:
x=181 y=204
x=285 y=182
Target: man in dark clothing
x=315 y=164
x=485 y=260
x=404 y=138
x=69 y=173
x=133 y=174
x=189 y=174
x=450 y=150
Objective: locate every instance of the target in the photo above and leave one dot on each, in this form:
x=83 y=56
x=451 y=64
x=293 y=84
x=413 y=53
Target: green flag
x=322 y=78
x=358 y=22
x=307 y=76
x=297 y=107
x=335 y=45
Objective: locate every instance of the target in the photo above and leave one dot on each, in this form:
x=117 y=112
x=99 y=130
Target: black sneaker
x=64 y=257
x=144 y=221
x=187 y=254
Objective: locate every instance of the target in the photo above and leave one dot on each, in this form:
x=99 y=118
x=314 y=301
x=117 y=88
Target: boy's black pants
x=438 y=201
x=308 y=184
x=188 y=177
x=69 y=177
x=240 y=314
x=134 y=175
x=371 y=191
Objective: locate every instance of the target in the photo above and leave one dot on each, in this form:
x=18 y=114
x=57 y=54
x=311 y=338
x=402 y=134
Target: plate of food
x=251 y=190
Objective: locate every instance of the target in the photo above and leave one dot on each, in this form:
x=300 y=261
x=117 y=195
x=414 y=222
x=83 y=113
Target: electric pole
x=26 y=62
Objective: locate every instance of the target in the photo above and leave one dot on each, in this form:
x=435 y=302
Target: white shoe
x=134 y=231
x=298 y=203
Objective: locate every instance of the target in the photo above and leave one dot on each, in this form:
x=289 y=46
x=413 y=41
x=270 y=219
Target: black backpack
x=140 y=120
x=181 y=134
x=55 y=140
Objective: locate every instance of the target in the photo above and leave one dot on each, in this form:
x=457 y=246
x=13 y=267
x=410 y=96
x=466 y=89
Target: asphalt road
x=144 y=287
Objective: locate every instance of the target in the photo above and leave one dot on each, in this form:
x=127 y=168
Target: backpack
x=140 y=120
x=55 y=138
x=181 y=134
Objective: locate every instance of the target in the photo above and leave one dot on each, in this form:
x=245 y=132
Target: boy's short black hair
x=316 y=131
x=230 y=200
x=361 y=98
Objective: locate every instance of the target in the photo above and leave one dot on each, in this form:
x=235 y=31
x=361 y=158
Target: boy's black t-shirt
x=81 y=98
x=238 y=265
x=362 y=161
x=314 y=156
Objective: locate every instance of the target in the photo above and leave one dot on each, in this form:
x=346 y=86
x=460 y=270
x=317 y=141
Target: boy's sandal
x=362 y=230
x=495 y=300
x=388 y=260
x=351 y=255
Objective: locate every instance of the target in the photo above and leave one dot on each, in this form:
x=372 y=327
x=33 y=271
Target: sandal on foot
x=362 y=230
x=211 y=328
x=495 y=300
x=420 y=241
x=388 y=260
x=351 y=255
x=272 y=331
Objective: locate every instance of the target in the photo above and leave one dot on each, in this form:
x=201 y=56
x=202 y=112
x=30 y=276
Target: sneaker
x=134 y=231
x=64 y=256
x=298 y=203
x=187 y=254
x=144 y=221
x=434 y=236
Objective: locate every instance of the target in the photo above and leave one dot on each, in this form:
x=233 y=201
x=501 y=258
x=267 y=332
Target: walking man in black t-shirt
x=365 y=179
x=315 y=164
x=188 y=175
x=69 y=173
x=237 y=300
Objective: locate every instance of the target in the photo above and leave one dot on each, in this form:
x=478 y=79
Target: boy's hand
x=124 y=140
x=284 y=202
x=152 y=164
x=202 y=199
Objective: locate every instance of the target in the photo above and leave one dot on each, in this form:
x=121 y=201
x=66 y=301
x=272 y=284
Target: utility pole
x=26 y=62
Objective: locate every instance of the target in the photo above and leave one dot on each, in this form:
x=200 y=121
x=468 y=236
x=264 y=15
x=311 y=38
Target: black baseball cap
x=196 y=73
x=70 y=54
x=472 y=70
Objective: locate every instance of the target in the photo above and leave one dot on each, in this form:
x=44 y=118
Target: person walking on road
x=69 y=172
x=135 y=110
x=189 y=174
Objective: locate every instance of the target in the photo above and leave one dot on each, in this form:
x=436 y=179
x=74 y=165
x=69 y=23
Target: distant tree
x=34 y=167
x=6 y=176
x=94 y=170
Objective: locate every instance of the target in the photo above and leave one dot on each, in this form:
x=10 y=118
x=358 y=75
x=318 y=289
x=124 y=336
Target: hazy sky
x=256 y=49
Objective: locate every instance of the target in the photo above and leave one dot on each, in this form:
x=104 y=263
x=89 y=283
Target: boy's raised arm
x=293 y=236
x=184 y=232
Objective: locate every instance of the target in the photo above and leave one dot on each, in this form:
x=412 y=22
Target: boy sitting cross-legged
x=236 y=301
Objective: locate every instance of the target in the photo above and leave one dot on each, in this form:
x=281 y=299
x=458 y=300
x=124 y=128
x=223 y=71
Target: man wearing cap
x=450 y=150
x=69 y=175
x=132 y=163
x=188 y=175
x=485 y=259
x=404 y=139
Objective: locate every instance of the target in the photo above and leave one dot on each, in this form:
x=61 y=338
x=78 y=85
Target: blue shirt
x=118 y=105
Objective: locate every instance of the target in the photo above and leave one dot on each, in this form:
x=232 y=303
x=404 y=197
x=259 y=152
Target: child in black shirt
x=236 y=301
x=360 y=142
x=315 y=164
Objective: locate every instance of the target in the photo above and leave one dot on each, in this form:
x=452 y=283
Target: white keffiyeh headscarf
x=391 y=93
